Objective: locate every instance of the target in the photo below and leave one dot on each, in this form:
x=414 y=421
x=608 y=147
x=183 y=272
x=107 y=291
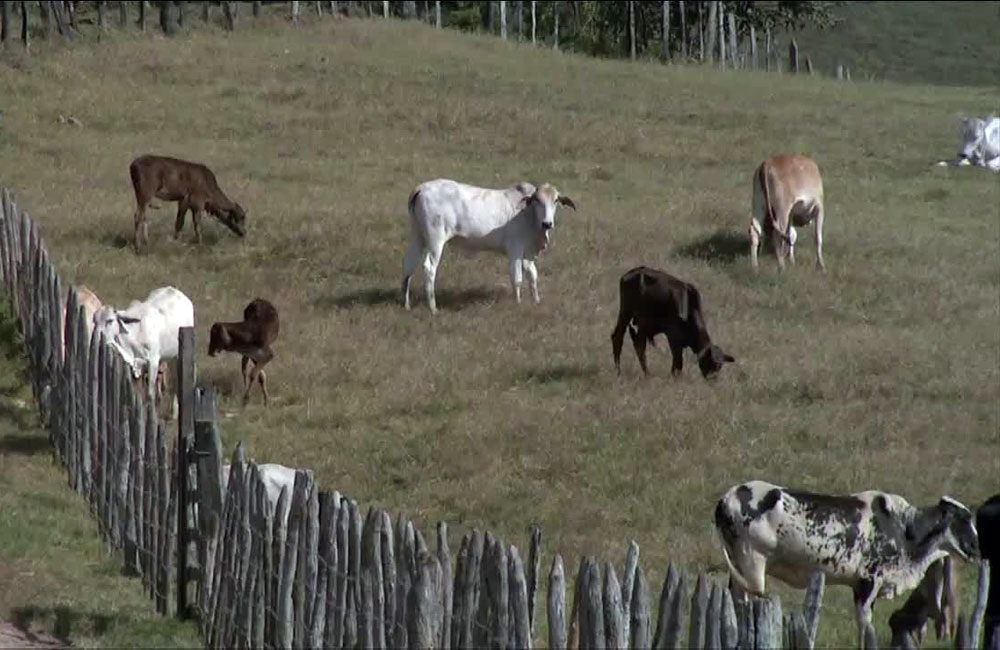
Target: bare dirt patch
x=12 y=636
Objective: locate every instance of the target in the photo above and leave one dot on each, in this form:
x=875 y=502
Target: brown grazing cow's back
x=191 y=184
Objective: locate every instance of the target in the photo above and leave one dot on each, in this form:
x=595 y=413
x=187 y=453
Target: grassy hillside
x=883 y=372
x=939 y=43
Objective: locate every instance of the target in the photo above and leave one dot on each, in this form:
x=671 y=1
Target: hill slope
x=882 y=373
x=940 y=43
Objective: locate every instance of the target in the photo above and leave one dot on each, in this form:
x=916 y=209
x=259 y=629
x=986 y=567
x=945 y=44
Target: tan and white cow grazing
x=787 y=193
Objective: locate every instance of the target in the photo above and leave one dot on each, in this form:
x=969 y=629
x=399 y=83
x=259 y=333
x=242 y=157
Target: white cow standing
x=147 y=332
x=516 y=220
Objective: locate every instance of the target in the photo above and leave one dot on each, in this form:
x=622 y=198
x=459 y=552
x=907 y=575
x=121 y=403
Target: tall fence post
x=185 y=435
x=208 y=458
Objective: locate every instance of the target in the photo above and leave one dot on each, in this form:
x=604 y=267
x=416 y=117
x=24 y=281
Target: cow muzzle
x=546 y=226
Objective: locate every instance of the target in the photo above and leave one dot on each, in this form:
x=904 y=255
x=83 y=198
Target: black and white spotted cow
x=874 y=542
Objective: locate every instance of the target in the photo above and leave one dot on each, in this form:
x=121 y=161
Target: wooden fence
x=306 y=569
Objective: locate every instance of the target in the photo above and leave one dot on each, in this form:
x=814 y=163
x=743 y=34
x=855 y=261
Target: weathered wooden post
x=809 y=65
x=557 y=604
x=534 y=560
x=229 y=10
x=753 y=48
x=437 y=14
x=615 y=631
x=185 y=439
x=733 y=45
x=503 y=19
x=631 y=562
x=793 y=56
x=385 y=8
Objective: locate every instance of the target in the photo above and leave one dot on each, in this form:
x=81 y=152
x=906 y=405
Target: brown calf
x=653 y=302
x=251 y=338
x=192 y=185
x=933 y=599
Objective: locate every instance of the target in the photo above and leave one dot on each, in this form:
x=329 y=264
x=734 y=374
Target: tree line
x=726 y=31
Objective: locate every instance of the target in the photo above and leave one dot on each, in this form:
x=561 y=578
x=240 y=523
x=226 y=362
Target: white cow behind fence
x=147 y=332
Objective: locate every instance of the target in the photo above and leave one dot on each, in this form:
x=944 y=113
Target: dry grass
x=882 y=373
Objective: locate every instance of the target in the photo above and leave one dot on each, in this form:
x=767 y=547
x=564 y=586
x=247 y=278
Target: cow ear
x=525 y=202
x=568 y=202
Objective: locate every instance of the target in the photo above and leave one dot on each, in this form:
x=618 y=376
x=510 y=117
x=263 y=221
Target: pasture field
x=884 y=372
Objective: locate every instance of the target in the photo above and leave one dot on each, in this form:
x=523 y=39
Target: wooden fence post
x=557 y=604
x=813 y=602
x=447 y=586
x=520 y=627
x=185 y=436
x=699 y=613
x=534 y=560
x=615 y=631
x=639 y=629
x=793 y=56
x=628 y=576
x=674 y=601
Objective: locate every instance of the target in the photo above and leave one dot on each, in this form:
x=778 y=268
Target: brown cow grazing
x=653 y=302
x=251 y=338
x=787 y=192
x=192 y=185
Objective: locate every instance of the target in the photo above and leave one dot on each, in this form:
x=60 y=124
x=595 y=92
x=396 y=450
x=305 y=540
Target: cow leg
x=532 y=272
x=865 y=593
x=262 y=378
x=793 y=235
x=819 y=238
x=182 y=208
x=778 y=243
x=755 y=233
x=196 y=218
x=141 y=239
x=431 y=262
x=618 y=337
x=515 y=278
x=677 y=352
x=243 y=369
x=410 y=262
x=639 y=343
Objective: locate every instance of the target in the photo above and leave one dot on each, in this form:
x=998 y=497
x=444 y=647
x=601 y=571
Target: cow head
x=960 y=537
x=541 y=205
x=114 y=325
x=218 y=339
x=711 y=359
x=233 y=217
x=973 y=139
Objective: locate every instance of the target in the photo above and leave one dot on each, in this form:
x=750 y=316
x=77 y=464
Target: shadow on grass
x=563 y=372
x=447 y=299
x=65 y=622
x=25 y=445
x=725 y=246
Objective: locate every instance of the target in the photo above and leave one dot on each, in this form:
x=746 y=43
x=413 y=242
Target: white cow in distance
x=980 y=144
x=516 y=220
x=146 y=332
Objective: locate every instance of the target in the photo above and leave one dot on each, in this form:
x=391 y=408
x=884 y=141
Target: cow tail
x=767 y=202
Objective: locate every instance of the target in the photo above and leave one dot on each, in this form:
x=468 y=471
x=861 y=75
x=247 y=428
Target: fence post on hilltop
x=185 y=434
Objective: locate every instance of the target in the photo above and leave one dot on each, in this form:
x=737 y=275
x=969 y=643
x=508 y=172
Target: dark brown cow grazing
x=192 y=185
x=653 y=302
x=251 y=338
